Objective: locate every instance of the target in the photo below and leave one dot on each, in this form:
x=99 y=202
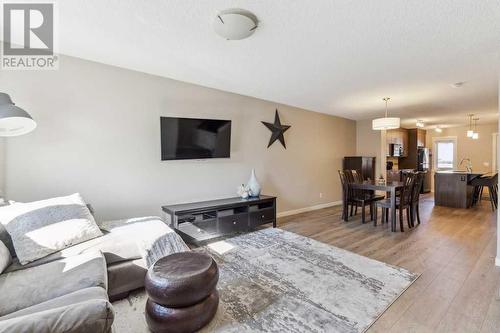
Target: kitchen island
x=453 y=189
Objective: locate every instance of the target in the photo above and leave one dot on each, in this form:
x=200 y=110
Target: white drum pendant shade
x=385 y=123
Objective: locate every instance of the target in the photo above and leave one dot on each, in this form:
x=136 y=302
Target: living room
x=99 y=194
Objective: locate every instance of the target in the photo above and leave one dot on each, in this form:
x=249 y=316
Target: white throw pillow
x=5 y=258
x=43 y=227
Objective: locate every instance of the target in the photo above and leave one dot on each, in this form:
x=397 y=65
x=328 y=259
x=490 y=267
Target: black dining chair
x=415 y=198
x=358 y=198
x=403 y=203
x=346 y=195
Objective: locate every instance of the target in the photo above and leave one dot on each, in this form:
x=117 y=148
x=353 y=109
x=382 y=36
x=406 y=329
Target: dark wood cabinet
x=363 y=164
x=397 y=136
x=416 y=139
x=199 y=222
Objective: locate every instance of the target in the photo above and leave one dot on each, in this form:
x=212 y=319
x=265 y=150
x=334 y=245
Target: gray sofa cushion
x=27 y=287
x=92 y=316
x=5 y=257
x=87 y=294
x=32 y=226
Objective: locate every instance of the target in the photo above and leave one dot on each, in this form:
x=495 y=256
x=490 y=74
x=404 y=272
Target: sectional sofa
x=70 y=290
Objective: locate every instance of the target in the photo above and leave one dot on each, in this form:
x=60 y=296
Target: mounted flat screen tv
x=188 y=138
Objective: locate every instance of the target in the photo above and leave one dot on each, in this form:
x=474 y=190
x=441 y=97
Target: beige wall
x=99 y=134
x=370 y=143
x=479 y=151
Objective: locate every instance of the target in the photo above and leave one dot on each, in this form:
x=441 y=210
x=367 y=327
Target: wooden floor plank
x=453 y=250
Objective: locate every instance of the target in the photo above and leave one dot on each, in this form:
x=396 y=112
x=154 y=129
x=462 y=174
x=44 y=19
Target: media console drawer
x=261 y=217
x=233 y=223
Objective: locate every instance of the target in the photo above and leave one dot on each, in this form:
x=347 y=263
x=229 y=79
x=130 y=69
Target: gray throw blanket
x=154 y=238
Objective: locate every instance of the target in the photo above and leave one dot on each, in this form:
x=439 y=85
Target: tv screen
x=187 y=138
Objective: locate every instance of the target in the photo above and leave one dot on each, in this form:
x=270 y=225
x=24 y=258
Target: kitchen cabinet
x=397 y=136
x=421 y=138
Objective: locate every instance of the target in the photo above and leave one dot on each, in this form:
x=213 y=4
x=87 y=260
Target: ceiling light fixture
x=470 y=131
x=438 y=129
x=475 y=136
x=235 y=24
x=420 y=124
x=385 y=123
x=14 y=121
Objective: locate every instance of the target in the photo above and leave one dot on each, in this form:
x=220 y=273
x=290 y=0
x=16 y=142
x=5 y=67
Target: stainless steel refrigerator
x=423 y=164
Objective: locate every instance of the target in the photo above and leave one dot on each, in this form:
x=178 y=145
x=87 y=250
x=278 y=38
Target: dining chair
x=360 y=198
x=403 y=202
x=415 y=198
x=346 y=195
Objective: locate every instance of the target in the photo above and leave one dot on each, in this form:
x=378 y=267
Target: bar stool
x=480 y=183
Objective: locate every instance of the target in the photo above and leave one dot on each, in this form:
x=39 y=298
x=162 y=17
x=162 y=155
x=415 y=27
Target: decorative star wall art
x=277 y=130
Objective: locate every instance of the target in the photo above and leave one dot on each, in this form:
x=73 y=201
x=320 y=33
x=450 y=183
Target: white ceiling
x=332 y=56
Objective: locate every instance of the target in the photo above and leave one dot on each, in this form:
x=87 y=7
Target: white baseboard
x=309 y=209
x=497 y=261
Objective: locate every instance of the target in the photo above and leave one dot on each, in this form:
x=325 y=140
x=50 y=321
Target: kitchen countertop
x=460 y=172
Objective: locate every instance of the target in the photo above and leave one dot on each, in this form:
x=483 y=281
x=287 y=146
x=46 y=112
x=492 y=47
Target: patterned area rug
x=276 y=281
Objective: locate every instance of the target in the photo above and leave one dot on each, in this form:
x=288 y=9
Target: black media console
x=199 y=222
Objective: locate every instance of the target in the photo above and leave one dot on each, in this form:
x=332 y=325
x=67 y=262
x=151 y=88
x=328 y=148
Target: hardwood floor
x=453 y=249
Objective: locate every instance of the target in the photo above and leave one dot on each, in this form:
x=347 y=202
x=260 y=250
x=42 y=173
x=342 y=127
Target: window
x=445 y=153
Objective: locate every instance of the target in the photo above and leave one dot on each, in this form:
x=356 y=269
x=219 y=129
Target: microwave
x=395 y=150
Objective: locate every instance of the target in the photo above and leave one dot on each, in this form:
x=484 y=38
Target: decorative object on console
x=253 y=185
x=182 y=292
x=14 y=121
x=277 y=130
x=243 y=191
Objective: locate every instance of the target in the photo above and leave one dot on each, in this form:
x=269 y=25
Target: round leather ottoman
x=162 y=319
x=182 y=292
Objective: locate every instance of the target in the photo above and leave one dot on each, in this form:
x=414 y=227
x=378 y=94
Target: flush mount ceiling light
x=14 y=121
x=420 y=124
x=235 y=24
x=438 y=129
x=385 y=123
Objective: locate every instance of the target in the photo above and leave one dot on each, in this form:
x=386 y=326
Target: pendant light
x=385 y=123
x=14 y=121
x=420 y=124
x=470 y=132
x=475 y=136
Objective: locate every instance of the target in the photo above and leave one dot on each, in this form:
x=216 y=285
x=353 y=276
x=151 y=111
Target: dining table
x=390 y=187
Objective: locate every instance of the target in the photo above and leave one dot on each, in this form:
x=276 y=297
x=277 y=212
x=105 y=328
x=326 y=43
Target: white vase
x=254 y=185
